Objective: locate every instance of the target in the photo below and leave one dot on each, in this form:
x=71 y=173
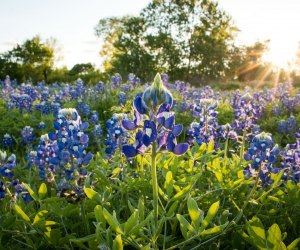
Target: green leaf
x=213 y=230
x=172 y=209
x=201 y=150
x=42 y=191
x=33 y=194
x=99 y=231
x=116 y=171
x=294 y=244
x=256 y=232
x=182 y=192
x=99 y=215
x=112 y=221
x=117 y=243
x=212 y=211
x=91 y=194
x=131 y=222
x=273 y=198
x=169 y=183
x=21 y=213
x=54 y=235
x=224 y=216
x=274 y=236
x=219 y=175
x=131 y=208
x=49 y=223
x=210 y=147
x=185 y=226
x=141 y=208
x=82 y=240
x=277 y=178
x=194 y=212
x=142 y=224
x=39 y=216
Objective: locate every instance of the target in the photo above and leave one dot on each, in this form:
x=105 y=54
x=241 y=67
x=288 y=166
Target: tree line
x=191 y=40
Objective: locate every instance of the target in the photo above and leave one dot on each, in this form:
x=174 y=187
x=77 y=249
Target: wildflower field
x=159 y=165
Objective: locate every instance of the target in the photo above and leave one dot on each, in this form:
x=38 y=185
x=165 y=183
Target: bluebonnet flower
x=277 y=110
x=94 y=117
x=290 y=103
x=159 y=126
x=30 y=91
x=45 y=95
x=133 y=80
x=55 y=107
x=83 y=108
x=263 y=155
x=44 y=107
x=125 y=88
x=116 y=136
x=181 y=106
x=122 y=98
x=62 y=153
x=27 y=135
x=206 y=129
x=41 y=125
x=41 y=156
x=226 y=132
x=97 y=133
x=290 y=160
x=115 y=80
x=181 y=86
x=255 y=130
x=7 y=141
x=22 y=191
x=99 y=88
x=21 y=101
x=6 y=168
x=70 y=143
x=288 y=127
x=246 y=113
x=79 y=91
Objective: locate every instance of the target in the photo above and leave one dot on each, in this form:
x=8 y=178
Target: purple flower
x=159 y=126
x=7 y=141
x=263 y=155
x=27 y=135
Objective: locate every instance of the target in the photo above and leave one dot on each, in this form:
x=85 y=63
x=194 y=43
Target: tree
x=124 y=50
x=81 y=68
x=31 y=60
x=186 y=38
x=252 y=64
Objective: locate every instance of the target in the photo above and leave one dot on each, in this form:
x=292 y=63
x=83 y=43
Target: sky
x=72 y=23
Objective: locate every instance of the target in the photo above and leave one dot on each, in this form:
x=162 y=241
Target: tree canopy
x=30 y=60
x=186 y=39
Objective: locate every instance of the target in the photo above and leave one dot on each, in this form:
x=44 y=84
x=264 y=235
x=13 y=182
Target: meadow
x=160 y=165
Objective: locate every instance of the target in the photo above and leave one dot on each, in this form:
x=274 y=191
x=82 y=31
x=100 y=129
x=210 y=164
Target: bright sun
x=282 y=53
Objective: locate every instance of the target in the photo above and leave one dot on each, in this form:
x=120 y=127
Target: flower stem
x=154 y=184
x=243 y=147
x=225 y=152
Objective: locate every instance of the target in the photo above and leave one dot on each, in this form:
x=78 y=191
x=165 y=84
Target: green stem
x=243 y=147
x=225 y=152
x=154 y=184
x=253 y=189
x=142 y=166
x=84 y=219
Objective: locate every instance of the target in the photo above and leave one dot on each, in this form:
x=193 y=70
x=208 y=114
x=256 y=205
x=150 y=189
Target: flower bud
x=156 y=94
